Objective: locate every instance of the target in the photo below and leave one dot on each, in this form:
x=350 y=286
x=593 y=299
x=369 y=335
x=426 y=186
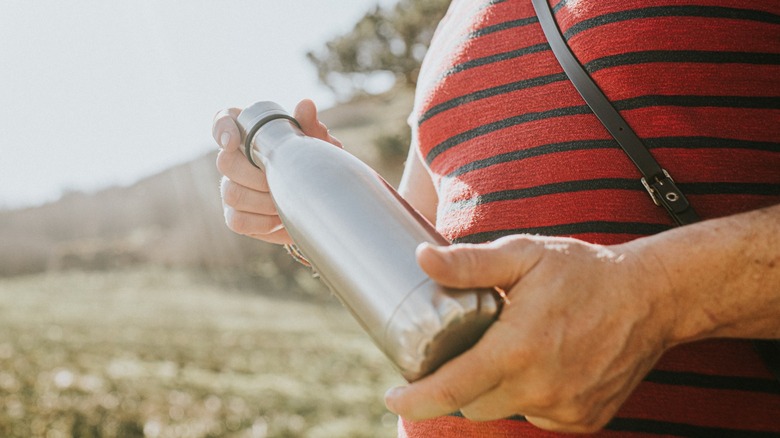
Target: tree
x=385 y=44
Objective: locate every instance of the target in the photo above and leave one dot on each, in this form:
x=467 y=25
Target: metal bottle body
x=361 y=236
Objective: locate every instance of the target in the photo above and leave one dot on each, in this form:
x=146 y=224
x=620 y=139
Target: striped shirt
x=512 y=148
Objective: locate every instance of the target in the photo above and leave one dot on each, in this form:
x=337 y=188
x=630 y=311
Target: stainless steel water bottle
x=360 y=236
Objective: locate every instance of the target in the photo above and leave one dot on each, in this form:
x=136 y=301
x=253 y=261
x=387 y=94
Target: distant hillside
x=368 y=126
x=174 y=218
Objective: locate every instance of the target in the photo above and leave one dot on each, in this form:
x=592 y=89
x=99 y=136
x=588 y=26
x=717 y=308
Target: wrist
x=660 y=283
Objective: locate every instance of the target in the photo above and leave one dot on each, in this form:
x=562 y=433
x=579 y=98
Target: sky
x=95 y=93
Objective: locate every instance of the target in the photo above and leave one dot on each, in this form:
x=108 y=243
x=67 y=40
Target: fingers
x=528 y=399
x=227 y=134
x=249 y=207
x=501 y=263
x=493 y=405
x=456 y=384
x=231 y=162
x=251 y=224
x=252 y=213
x=225 y=130
x=234 y=165
x=306 y=114
x=245 y=199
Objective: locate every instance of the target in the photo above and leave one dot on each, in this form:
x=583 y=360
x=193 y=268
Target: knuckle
x=511 y=239
x=233 y=195
x=467 y=262
x=228 y=163
x=446 y=397
x=215 y=122
x=224 y=161
x=472 y=261
x=233 y=112
x=250 y=224
x=221 y=122
x=220 y=114
x=516 y=246
x=237 y=222
x=543 y=399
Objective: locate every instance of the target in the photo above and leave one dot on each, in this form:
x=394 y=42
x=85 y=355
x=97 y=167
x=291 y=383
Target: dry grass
x=148 y=352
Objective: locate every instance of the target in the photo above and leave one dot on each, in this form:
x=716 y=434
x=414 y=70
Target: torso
x=512 y=148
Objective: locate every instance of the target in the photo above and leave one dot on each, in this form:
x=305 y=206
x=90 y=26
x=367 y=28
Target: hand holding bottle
x=357 y=232
x=246 y=199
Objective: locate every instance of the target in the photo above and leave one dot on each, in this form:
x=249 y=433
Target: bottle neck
x=271 y=136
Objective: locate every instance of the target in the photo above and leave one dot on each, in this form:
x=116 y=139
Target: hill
x=174 y=218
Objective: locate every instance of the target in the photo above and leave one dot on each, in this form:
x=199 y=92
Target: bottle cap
x=253 y=117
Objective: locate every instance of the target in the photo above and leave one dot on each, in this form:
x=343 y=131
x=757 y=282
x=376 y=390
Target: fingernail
x=391 y=395
x=422 y=247
x=224 y=139
x=435 y=249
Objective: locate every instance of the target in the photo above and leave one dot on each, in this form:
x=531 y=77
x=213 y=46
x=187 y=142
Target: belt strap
x=657 y=181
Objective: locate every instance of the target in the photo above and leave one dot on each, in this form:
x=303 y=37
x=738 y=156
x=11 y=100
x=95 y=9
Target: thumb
x=225 y=130
x=501 y=263
x=306 y=114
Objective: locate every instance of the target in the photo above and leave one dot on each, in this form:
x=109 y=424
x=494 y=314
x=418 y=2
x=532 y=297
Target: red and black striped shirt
x=512 y=148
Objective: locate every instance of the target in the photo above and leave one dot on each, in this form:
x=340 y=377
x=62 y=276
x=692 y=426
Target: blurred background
x=127 y=309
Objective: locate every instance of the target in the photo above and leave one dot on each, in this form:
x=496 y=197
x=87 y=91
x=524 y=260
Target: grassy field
x=156 y=353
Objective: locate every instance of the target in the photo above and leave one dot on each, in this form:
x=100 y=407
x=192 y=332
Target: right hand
x=246 y=199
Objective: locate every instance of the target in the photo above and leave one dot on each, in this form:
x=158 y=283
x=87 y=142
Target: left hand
x=246 y=198
x=584 y=324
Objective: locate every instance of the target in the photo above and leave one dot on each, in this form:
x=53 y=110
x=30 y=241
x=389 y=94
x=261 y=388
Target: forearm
x=417 y=187
x=722 y=275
